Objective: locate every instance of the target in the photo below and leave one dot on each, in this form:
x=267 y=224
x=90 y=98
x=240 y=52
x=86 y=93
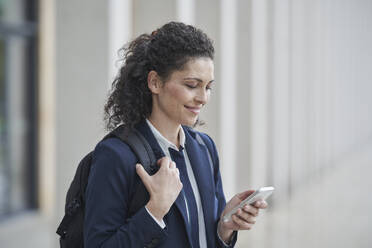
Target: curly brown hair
x=165 y=50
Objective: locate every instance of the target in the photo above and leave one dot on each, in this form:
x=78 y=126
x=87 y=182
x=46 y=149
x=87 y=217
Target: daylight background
x=291 y=108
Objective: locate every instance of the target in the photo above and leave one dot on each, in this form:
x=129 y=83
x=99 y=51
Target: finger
x=243 y=225
x=251 y=210
x=244 y=194
x=160 y=160
x=246 y=216
x=172 y=165
x=164 y=162
x=261 y=204
x=145 y=177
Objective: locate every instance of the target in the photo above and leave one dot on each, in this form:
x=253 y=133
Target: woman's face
x=180 y=99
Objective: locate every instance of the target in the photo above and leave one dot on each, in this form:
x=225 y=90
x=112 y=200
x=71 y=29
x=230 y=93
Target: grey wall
x=81 y=85
x=149 y=15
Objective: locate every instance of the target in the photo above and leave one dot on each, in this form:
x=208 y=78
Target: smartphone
x=260 y=194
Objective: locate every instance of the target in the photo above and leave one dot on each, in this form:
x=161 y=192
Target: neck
x=169 y=130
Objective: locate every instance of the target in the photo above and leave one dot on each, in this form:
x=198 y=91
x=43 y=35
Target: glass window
x=17 y=106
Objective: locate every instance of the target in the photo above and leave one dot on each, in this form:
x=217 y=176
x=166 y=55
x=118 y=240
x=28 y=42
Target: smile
x=193 y=110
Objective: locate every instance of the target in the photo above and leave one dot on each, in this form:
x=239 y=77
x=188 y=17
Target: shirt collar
x=165 y=143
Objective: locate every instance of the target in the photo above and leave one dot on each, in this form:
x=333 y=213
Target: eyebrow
x=197 y=79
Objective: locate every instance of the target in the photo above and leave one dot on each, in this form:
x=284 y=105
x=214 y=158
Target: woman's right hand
x=164 y=186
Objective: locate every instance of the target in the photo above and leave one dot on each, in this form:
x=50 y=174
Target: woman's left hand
x=243 y=219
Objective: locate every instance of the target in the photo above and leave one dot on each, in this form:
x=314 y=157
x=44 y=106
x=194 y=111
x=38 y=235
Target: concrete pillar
x=47 y=108
x=149 y=15
x=228 y=101
x=258 y=108
x=120 y=29
x=280 y=104
x=207 y=18
x=243 y=76
x=185 y=11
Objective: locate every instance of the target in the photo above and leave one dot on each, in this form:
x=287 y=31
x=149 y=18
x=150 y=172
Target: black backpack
x=71 y=226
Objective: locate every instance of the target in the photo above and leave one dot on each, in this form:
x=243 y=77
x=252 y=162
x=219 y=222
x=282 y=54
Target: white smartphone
x=260 y=194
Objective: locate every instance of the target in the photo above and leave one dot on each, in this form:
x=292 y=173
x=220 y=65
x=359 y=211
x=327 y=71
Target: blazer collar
x=164 y=142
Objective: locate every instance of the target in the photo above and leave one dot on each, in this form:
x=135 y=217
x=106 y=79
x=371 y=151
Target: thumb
x=244 y=194
x=142 y=173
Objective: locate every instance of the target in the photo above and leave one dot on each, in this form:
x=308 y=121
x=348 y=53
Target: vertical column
x=149 y=15
x=185 y=11
x=228 y=138
x=278 y=160
x=280 y=102
x=258 y=94
x=46 y=105
x=298 y=95
x=120 y=32
x=244 y=71
x=47 y=166
x=207 y=17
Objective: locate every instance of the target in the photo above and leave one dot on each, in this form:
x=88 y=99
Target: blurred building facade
x=290 y=107
x=18 y=119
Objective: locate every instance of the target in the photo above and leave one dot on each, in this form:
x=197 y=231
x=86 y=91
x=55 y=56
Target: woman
x=165 y=81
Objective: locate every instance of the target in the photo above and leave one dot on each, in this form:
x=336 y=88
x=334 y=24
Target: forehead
x=202 y=68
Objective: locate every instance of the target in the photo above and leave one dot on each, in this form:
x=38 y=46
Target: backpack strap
x=141 y=148
x=143 y=151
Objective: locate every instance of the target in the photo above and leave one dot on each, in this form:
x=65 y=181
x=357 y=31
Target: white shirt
x=165 y=145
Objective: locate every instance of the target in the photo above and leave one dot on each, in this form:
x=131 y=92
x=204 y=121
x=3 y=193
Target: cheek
x=179 y=96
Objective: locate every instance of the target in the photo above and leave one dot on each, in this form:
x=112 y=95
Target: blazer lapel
x=198 y=155
x=145 y=130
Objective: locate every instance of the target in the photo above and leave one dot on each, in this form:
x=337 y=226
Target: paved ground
x=334 y=210
x=28 y=229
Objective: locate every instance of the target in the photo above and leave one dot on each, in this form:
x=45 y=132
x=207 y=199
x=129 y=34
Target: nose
x=202 y=96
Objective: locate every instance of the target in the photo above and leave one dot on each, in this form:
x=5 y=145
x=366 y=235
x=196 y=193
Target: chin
x=189 y=122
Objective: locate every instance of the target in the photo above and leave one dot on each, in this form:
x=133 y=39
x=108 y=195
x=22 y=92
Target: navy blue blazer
x=111 y=185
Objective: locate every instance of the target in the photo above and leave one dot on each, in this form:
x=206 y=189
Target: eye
x=190 y=86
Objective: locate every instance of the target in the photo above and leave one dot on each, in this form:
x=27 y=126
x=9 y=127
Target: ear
x=154 y=82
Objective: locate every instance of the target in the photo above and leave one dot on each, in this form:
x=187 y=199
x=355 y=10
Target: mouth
x=194 y=110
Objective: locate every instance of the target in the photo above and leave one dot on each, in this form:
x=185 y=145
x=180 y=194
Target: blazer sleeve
x=221 y=201
x=109 y=190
